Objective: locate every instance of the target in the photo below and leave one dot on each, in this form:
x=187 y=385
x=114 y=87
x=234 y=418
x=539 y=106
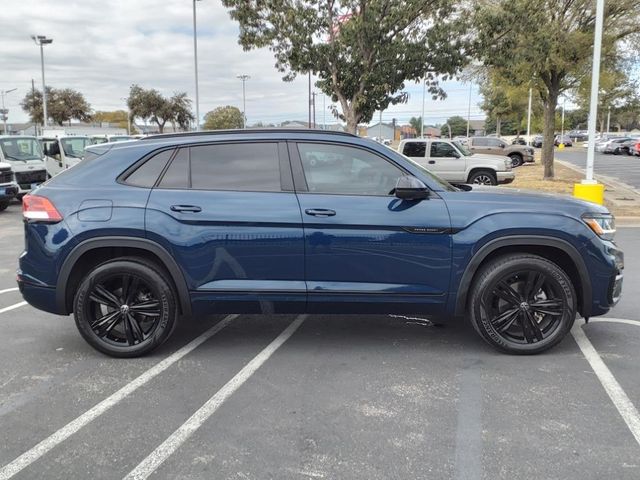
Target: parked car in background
x=63 y=152
x=537 y=141
x=564 y=139
x=613 y=145
x=140 y=235
x=635 y=149
x=8 y=188
x=24 y=154
x=518 y=141
x=455 y=163
x=495 y=146
x=578 y=135
x=627 y=147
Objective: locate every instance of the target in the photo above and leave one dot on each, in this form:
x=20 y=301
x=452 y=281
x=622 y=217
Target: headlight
x=508 y=164
x=602 y=225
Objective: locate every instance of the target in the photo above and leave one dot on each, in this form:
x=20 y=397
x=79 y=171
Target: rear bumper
x=42 y=298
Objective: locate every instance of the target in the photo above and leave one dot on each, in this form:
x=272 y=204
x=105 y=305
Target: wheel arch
x=91 y=252
x=561 y=252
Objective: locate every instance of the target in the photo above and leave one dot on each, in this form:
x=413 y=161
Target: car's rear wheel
x=483 y=177
x=125 y=308
x=522 y=304
x=516 y=160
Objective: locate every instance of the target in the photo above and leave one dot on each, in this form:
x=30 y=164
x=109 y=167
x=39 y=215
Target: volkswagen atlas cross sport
x=276 y=221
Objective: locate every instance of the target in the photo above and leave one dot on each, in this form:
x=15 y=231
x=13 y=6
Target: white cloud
x=101 y=47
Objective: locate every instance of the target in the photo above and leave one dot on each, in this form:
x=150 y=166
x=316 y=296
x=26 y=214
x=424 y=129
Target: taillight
x=39 y=209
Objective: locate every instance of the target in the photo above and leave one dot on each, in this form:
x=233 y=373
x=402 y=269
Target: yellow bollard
x=561 y=146
x=591 y=192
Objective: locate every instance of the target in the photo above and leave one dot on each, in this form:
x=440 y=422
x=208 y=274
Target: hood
x=30 y=166
x=464 y=205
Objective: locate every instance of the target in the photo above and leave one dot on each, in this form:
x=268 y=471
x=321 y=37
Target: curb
x=611 y=182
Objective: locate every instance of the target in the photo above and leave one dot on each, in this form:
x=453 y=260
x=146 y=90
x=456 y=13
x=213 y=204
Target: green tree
x=458 y=125
x=63 y=105
x=363 y=51
x=223 y=118
x=118 y=117
x=152 y=105
x=416 y=123
x=548 y=44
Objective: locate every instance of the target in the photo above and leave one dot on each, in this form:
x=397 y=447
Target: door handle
x=431 y=162
x=186 y=208
x=320 y=212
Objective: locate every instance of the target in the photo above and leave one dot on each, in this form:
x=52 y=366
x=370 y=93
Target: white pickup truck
x=24 y=155
x=452 y=161
x=62 y=152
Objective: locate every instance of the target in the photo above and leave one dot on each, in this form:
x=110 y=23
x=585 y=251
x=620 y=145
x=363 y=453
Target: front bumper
x=8 y=192
x=505 y=177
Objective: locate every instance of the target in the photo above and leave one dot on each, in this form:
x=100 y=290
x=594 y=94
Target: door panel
x=375 y=253
x=240 y=251
x=442 y=160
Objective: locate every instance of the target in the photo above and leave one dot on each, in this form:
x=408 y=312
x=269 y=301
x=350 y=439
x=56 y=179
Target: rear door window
x=253 y=167
x=177 y=175
x=414 y=149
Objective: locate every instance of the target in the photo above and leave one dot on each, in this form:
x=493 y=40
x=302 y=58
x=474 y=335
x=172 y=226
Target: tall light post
x=4 y=111
x=424 y=84
x=244 y=79
x=564 y=100
x=41 y=41
x=608 y=118
x=195 y=62
x=469 y=111
x=529 y=117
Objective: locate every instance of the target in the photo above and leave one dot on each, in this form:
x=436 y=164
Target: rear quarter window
x=146 y=175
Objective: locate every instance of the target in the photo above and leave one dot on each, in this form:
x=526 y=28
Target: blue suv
x=292 y=221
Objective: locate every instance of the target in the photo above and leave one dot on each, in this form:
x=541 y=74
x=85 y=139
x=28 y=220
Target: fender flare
x=170 y=264
x=525 y=240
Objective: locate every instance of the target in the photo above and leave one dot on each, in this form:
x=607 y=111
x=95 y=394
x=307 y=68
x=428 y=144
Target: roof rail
x=245 y=131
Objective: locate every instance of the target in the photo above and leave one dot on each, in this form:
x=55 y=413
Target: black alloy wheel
x=125 y=308
x=523 y=304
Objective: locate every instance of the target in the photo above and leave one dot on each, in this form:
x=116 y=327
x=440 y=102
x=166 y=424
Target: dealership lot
x=623 y=168
x=342 y=397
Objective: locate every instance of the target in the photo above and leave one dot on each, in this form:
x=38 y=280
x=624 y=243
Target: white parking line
x=617 y=395
x=72 y=427
x=177 y=438
x=7 y=290
x=12 y=307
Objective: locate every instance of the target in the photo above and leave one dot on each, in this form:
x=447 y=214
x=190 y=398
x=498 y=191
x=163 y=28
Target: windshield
x=21 y=149
x=443 y=183
x=74 y=147
x=464 y=150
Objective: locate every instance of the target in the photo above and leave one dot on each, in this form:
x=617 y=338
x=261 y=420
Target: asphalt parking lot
x=338 y=397
x=623 y=168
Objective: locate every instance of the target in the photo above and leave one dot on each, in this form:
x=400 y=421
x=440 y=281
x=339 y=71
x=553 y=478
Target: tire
x=516 y=160
x=483 y=177
x=3 y=206
x=125 y=332
x=522 y=304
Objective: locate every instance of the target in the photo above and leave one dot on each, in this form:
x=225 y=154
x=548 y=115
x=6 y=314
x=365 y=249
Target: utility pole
x=469 y=111
x=564 y=100
x=41 y=41
x=4 y=111
x=424 y=82
x=195 y=62
x=529 y=118
x=244 y=79
x=313 y=97
x=33 y=95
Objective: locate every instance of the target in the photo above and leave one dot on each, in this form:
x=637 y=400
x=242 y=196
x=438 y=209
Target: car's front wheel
x=516 y=160
x=483 y=177
x=125 y=308
x=522 y=304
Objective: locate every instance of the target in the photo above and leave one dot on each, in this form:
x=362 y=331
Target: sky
x=102 y=47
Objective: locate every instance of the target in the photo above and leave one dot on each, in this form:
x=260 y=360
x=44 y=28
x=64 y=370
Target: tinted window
x=345 y=170
x=147 y=174
x=240 y=166
x=493 y=142
x=414 y=149
x=479 y=142
x=177 y=175
x=442 y=149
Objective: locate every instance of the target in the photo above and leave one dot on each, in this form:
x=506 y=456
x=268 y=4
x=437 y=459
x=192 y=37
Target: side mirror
x=410 y=188
x=502 y=145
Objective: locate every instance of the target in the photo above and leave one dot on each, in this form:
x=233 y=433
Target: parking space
x=623 y=168
x=349 y=397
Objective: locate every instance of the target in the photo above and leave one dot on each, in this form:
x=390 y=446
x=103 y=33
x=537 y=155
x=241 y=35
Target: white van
x=24 y=155
x=8 y=188
x=63 y=152
x=452 y=161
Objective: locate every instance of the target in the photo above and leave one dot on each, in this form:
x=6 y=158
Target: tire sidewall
x=511 y=266
x=516 y=160
x=159 y=287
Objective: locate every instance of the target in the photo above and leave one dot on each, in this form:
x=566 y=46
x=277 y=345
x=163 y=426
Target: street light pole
x=5 y=112
x=244 y=79
x=469 y=111
x=41 y=41
x=529 y=118
x=608 y=119
x=564 y=99
x=424 y=83
x=195 y=61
